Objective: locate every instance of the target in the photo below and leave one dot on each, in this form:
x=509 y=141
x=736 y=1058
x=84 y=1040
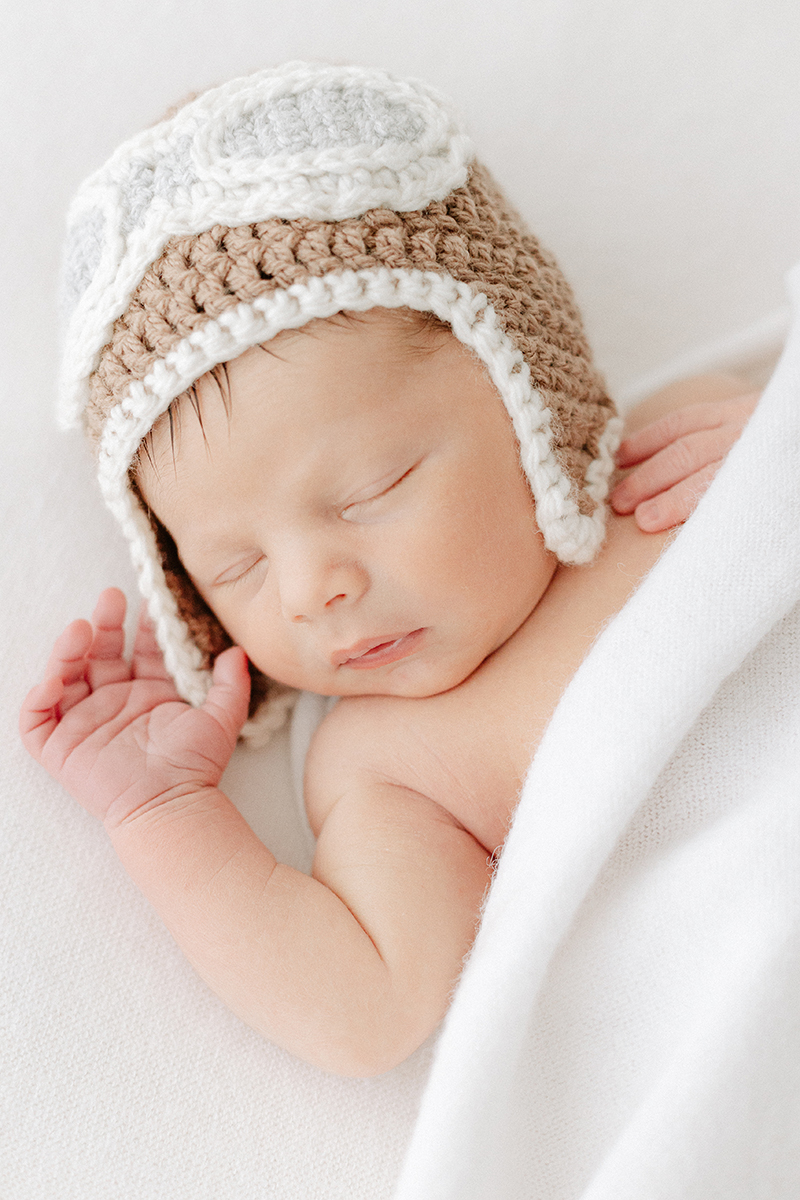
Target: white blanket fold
x=626 y=1024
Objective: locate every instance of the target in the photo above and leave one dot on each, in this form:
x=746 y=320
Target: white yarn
x=573 y=536
x=302 y=140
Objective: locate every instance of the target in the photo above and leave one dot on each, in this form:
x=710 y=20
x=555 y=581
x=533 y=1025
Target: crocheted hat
x=297 y=193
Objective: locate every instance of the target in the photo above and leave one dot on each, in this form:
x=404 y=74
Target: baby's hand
x=676 y=458
x=115 y=733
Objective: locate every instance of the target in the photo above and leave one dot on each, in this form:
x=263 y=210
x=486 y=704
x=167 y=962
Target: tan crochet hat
x=293 y=194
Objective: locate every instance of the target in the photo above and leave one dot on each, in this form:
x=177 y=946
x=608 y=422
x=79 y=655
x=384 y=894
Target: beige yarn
x=472 y=235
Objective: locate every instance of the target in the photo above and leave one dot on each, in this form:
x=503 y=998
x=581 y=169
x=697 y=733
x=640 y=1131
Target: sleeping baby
x=345 y=413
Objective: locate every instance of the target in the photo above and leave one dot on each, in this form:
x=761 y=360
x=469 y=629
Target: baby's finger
x=679 y=460
x=658 y=434
x=68 y=657
x=68 y=663
x=690 y=419
x=229 y=694
x=106 y=657
x=677 y=504
x=148 y=661
x=39 y=715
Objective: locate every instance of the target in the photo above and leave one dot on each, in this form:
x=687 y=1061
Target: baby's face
x=358 y=520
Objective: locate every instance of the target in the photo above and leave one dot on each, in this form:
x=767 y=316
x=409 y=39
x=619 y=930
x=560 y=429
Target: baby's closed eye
x=370 y=504
x=241 y=570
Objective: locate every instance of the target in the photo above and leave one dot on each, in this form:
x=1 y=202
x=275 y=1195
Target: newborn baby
x=350 y=501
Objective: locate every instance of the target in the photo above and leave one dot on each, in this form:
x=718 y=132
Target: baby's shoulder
x=354 y=744
x=457 y=749
x=446 y=747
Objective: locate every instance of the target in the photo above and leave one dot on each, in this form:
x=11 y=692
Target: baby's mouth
x=376 y=652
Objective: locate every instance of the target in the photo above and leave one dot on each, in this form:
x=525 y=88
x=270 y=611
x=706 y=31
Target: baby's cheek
x=433 y=559
x=266 y=648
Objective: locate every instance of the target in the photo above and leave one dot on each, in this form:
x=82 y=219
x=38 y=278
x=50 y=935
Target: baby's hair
x=172 y=417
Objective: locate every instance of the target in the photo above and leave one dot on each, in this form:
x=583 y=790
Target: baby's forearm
x=278 y=947
x=349 y=969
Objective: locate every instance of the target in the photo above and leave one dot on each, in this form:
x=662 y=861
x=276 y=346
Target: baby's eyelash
x=244 y=574
x=384 y=492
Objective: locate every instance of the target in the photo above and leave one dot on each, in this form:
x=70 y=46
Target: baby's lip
x=375 y=652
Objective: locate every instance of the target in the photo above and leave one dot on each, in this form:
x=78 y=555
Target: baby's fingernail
x=647 y=514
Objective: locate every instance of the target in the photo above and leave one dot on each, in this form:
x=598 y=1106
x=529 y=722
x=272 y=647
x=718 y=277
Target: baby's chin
x=407 y=684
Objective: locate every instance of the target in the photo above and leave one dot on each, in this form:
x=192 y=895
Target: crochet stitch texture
x=366 y=194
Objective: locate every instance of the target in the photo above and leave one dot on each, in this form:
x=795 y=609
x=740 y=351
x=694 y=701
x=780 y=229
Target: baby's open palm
x=115 y=732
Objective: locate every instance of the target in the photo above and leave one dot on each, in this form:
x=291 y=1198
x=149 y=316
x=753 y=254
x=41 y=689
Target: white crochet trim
x=301 y=140
x=270 y=717
x=572 y=536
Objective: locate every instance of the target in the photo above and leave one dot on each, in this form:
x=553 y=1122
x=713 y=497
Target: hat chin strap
x=573 y=536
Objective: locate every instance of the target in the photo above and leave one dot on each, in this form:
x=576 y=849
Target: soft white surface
x=653 y=145
x=627 y=1025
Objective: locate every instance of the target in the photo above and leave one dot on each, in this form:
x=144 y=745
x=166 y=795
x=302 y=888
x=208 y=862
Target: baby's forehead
x=378 y=370
x=401 y=332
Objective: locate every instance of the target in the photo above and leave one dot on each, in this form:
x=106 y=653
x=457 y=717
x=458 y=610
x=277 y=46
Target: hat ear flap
x=169 y=282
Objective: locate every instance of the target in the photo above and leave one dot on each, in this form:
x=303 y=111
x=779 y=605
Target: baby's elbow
x=368 y=1062
x=367 y=1050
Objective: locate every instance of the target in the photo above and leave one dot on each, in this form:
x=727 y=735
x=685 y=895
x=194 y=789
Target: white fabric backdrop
x=653 y=147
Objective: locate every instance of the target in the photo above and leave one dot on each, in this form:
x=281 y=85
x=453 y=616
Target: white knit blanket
x=628 y=1025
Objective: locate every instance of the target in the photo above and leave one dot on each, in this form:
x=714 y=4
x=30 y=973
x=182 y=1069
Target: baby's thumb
x=229 y=695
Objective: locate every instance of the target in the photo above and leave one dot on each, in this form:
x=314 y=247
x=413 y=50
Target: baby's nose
x=311 y=590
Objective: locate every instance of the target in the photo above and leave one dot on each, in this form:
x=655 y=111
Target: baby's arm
x=676 y=441
x=349 y=969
